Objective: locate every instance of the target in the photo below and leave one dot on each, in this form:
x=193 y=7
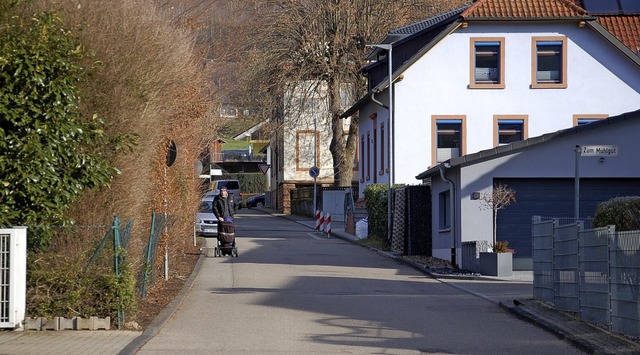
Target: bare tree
x=499 y=198
x=322 y=41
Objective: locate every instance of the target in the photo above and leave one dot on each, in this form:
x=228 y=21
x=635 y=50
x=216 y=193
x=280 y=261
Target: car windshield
x=206 y=206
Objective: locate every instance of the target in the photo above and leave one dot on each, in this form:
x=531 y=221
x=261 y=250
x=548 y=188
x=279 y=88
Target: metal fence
x=593 y=272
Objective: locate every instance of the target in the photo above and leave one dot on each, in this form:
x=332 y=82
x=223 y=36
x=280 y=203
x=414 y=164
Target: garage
x=553 y=198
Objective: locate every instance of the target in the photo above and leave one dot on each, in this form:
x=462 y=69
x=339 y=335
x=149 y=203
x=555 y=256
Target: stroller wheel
x=216 y=252
x=235 y=252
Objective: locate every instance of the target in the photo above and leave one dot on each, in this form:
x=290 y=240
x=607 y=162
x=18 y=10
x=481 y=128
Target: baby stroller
x=226 y=240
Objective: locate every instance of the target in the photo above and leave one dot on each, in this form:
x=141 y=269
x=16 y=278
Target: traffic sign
x=314 y=172
x=599 y=150
x=264 y=167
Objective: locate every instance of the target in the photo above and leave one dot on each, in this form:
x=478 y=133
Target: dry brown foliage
x=144 y=78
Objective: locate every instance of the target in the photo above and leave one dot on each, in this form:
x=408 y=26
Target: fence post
x=328 y=225
x=611 y=237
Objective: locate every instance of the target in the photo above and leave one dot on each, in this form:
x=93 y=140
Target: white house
x=487 y=74
x=543 y=172
x=300 y=141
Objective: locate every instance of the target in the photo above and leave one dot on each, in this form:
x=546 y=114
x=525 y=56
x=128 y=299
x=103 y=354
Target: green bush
x=49 y=153
x=375 y=197
x=623 y=212
x=250 y=183
x=69 y=290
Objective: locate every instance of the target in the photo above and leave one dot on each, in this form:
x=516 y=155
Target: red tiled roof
x=626 y=28
x=523 y=9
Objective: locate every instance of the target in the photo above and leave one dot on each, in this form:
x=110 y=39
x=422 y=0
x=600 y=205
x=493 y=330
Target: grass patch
x=235 y=145
x=376 y=242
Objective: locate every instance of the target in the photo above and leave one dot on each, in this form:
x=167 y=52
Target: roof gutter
x=595 y=25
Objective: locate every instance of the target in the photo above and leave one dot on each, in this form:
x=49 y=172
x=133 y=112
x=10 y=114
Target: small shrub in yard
x=623 y=212
x=69 y=290
x=375 y=196
x=502 y=247
x=62 y=284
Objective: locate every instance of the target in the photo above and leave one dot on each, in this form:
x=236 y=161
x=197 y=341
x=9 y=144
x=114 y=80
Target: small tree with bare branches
x=499 y=198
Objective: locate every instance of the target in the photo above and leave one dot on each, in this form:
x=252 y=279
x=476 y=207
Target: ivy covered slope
x=49 y=153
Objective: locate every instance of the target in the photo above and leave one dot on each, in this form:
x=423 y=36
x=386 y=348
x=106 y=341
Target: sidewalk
x=589 y=337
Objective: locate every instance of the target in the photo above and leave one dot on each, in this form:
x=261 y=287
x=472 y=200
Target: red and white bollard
x=317 y=218
x=321 y=222
x=328 y=228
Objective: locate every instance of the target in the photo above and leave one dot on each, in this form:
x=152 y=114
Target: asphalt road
x=293 y=292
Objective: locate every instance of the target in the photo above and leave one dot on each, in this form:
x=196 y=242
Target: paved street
x=291 y=291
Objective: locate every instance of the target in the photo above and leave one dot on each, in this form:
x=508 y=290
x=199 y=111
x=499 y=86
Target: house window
x=579 y=120
x=362 y=176
x=445 y=210
x=381 y=148
x=549 y=61
x=447 y=138
x=510 y=131
x=375 y=155
x=368 y=176
x=487 y=63
x=305 y=142
x=509 y=128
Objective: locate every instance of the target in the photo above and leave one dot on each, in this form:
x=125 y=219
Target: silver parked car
x=206 y=221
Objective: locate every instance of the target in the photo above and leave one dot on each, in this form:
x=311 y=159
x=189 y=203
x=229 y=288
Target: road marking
x=316 y=236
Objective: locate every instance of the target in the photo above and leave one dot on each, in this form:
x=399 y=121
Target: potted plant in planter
x=499 y=262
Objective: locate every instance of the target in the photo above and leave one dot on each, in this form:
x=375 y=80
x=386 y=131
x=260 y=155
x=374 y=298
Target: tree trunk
x=342 y=149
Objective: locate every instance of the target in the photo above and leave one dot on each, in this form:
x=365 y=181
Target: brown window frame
x=594 y=117
x=496 y=126
x=562 y=84
x=434 y=134
x=473 y=83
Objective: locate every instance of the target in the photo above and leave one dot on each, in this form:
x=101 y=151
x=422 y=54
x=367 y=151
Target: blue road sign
x=314 y=171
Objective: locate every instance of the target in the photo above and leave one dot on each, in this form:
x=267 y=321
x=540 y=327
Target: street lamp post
x=389 y=48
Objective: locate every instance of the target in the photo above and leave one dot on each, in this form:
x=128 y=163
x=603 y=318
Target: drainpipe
x=452 y=192
x=373 y=98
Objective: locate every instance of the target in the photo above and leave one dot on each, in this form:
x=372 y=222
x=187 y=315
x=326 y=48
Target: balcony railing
x=237 y=156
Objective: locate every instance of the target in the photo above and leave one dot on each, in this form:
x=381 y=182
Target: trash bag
x=362 y=228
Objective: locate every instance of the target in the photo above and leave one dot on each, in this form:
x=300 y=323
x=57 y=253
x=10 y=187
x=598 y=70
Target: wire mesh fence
x=593 y=272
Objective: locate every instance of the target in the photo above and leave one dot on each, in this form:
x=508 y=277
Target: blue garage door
x=553 y=198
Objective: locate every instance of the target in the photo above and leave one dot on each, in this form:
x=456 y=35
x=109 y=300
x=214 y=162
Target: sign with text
x=599 y=150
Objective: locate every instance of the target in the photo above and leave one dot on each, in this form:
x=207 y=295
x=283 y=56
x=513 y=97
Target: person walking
x=223 y=207
x=223 y=210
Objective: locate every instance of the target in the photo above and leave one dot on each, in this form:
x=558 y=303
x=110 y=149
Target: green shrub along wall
x=623 y=212
x=250 y=183
x=375 y=197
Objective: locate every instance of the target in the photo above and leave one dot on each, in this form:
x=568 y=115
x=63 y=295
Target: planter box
x=496 y=264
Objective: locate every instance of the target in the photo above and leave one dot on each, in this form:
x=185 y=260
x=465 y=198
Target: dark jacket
x=223 y=207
